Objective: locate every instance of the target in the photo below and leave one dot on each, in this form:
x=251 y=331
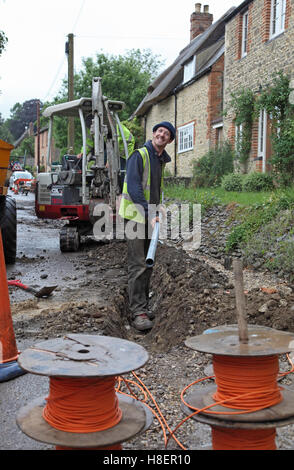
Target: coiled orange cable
x=247 y=383
x=82 y=405
x=243 y=439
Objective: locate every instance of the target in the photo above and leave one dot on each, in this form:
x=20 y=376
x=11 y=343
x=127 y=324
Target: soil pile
x=187 y=296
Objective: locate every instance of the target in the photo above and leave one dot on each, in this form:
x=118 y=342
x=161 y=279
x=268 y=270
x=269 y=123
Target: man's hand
x=162 y=210
x=153 y=222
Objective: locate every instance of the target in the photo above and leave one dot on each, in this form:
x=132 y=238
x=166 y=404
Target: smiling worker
x=142 y=188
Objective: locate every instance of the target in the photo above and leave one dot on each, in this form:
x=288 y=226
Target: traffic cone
x=9 y=367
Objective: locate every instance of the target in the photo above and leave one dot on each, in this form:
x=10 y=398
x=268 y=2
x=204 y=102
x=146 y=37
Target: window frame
x=278 y=17
x=244 y=42
x=238 y=137
x=262 y=137
x=189 y=69
x=189 y=129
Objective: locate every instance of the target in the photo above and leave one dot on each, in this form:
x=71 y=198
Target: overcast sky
x=34 y=62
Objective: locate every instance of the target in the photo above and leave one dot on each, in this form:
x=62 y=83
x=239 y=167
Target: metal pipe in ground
x=150 y=258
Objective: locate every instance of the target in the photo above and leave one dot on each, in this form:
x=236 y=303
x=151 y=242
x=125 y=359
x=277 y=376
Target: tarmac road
x=15 y=393
x=39 y=262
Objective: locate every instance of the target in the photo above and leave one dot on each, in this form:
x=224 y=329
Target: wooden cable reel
x=248 y=346
x=84 y=358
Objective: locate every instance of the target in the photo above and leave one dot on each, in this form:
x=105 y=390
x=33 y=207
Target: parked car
x=23 y=175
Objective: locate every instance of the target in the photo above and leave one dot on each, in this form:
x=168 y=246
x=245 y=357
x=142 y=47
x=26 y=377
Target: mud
x=188 y=296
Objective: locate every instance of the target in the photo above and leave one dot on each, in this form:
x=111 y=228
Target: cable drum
x=83 y=409
x=246 y=403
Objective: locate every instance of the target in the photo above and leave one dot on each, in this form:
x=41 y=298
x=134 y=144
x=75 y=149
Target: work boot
x=150 y=314
x=141 y=322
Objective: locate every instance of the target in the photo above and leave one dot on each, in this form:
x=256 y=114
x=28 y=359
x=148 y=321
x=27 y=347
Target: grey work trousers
x=138 y=274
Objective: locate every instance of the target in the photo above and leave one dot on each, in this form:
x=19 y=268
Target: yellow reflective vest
x=129 y=138
x=128 y=209
x=130 y=141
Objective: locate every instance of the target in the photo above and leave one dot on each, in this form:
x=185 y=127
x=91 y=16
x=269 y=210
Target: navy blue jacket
x=134 y=172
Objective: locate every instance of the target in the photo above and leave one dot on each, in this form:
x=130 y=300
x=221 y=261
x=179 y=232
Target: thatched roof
x=208 y=46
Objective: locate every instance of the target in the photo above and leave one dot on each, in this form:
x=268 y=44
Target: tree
x=5 y=133
x=3 y=41
x=124 y=78
x=21 y=115
x=25 y=148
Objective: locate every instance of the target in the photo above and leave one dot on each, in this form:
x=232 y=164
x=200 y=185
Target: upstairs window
x=189 y=69
x=186 y=138
x=244 y=48
x=278 y=15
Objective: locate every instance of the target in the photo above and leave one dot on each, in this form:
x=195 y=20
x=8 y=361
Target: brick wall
x=215 y=98
x=54 y=155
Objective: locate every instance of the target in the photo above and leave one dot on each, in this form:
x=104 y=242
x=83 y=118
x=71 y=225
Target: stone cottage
x=259 y=42
x=189 y=93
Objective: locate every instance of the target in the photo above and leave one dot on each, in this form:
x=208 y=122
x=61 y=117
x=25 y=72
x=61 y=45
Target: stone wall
x=163 y=111
x=192 y=107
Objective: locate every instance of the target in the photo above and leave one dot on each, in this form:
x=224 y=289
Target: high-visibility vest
x=130 y=141
x=129 y=138
x=129 y=210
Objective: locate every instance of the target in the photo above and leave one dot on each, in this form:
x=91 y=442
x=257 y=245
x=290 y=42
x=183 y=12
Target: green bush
x=258 y=182
x=209 y=169
x=232 y=182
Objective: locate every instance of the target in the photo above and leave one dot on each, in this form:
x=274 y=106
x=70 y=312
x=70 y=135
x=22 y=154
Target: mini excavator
x=73 y=190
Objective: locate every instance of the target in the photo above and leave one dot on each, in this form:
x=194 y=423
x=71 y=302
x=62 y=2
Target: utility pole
x=69 y=50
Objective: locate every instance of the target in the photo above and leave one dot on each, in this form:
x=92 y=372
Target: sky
x=34 y=62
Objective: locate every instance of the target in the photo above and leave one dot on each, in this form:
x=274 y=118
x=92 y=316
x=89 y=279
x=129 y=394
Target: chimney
x=200 y=21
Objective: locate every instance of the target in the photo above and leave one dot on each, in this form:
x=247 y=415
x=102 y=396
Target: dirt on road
x=187 y=296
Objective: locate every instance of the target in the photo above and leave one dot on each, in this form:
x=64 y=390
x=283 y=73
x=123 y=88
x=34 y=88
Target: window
x=186 y=138
x=218 y=134
x=219 y=137
x=262 y=126
x=189 y=69
x=278 y=14
x=244 y=34
x=238 y=138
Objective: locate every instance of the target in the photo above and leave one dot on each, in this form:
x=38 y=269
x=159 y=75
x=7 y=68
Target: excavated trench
x=187 y=295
